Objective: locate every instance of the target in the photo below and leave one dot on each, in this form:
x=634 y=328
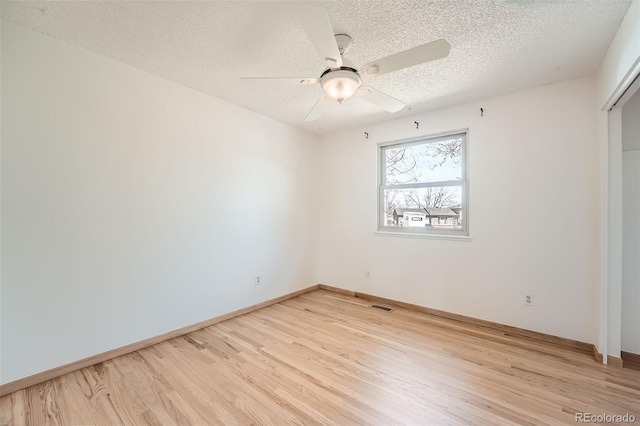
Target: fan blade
x=408 y=58
x=382 y=100
x=299 y=80
x=318 y=109
x=318 y=27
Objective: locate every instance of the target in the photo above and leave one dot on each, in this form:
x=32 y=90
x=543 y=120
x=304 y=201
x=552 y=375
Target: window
x=425 y=178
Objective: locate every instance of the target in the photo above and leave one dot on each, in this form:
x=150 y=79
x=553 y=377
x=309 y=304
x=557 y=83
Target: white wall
x=630 y=341
x=132 y=206
x=532 y=157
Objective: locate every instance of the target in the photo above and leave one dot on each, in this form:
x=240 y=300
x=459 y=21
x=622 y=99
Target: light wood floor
x=327 y=358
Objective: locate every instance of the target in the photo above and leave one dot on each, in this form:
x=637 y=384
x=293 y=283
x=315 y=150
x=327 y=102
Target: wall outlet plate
x=528 y=300
x=367 y=273
x=258 y=280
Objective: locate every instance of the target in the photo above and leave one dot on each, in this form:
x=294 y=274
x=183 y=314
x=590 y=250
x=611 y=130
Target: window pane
x=432 y=208
x=429 y=162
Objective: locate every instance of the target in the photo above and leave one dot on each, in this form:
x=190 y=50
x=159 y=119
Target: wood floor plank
x=328 y=358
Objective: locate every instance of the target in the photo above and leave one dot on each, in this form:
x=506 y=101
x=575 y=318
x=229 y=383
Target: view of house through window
x=423 y=186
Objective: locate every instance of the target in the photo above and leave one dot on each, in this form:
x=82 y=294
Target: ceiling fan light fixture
x=340 y=84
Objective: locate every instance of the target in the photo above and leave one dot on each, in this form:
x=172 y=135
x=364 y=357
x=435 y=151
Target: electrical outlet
x=258 y=282
x=528 y=299
x=367 y=273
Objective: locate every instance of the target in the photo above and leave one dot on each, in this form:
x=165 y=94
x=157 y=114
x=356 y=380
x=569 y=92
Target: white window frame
x=463 y=183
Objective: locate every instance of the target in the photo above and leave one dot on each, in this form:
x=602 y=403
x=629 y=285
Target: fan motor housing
x=328 y=70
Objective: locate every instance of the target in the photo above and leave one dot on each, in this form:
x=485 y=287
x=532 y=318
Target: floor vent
x=382 y=308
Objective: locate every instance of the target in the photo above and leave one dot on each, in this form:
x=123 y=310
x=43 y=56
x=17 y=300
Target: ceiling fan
x=341 y=80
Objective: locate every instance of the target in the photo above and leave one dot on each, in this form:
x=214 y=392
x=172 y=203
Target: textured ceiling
x=497 y=46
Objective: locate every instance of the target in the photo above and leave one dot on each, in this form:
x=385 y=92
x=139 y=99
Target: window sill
x=465 y=238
